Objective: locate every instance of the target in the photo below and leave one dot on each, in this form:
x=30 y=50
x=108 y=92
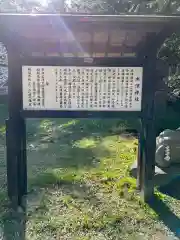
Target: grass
x=80 y=187
x=93 y=199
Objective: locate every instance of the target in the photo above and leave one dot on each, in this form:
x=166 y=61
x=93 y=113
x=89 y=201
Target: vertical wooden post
x=16 y=160
x=22 y=163
x=12 y=146
x=15 y=132
x=139 y=156
x=147 y=139
x=148 y=159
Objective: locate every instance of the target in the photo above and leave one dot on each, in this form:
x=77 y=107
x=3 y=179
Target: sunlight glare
x=43 y=2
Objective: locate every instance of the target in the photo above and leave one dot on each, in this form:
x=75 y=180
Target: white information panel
x=82 y=88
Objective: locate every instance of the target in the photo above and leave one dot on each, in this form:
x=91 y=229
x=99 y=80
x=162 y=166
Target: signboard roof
x=24 y=24
x=101 y=17
x=83 y=35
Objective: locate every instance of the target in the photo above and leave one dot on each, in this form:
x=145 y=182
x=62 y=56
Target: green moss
x=83 y=189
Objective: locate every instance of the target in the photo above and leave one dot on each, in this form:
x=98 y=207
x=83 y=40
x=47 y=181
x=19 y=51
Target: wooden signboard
x=77 y=66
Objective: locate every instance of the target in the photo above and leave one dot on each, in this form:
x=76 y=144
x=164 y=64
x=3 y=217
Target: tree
x=127 y=6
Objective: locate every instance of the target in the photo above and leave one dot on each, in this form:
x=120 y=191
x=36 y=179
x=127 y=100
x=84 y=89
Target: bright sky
x=43 y=2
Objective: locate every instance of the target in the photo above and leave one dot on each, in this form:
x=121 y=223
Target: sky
x=45 y=2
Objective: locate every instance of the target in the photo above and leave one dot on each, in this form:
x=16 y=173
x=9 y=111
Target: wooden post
x=147 y=141
x=22 y=164
x=148 y=159
x=139 y=156
x=15 y=132
x=12 y=148
x=16 y=160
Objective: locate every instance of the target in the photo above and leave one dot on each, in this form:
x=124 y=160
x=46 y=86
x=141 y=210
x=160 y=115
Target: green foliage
x=122 y=6
x=170 y=54
x=98 y=6
x=170 y=51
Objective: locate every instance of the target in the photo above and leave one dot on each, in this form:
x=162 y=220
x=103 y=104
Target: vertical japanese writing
x=122 y=87
x=42 y=87
x=131 y=88
x=57 y=84
x=38 y=89
x=137 y=90
x=84 y=88
x=29 y=87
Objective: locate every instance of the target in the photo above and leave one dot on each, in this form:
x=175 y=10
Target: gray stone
x=162 y=175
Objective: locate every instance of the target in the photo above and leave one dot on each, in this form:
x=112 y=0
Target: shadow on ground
x=13 y=225
x=167 y=182
x=58 y=144
x=172 y=189
x=164 y=212
x=51 y=144
x=166 y=215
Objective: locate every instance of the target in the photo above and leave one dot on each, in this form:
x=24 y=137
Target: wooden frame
x=13 y=29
